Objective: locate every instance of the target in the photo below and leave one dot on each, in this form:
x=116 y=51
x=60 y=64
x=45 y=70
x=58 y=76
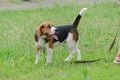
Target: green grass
x=97 y=30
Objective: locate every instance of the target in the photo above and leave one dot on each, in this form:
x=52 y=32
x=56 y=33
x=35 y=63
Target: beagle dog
x=48 y=37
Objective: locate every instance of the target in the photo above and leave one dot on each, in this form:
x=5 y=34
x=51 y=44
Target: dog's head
x=46 y=29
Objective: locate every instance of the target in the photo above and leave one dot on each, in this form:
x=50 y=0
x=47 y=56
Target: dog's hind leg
x=73 y=49
x=71 y=46
x=69 y=58
x=78 y=53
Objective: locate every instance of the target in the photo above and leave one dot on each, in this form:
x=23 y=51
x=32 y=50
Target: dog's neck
x=48 y=38
x=43 y=36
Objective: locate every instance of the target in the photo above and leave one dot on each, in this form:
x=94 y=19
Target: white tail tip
x=83 y=11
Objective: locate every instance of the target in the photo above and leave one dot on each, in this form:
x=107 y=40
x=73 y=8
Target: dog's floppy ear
x=39 y=33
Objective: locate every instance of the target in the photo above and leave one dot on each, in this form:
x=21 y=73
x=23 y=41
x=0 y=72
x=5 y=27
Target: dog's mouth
x=54 y=36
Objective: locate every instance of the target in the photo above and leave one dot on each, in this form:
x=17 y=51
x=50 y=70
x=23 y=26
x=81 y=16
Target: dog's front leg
x=49 y=55
x=49 y=48
x=37 y=55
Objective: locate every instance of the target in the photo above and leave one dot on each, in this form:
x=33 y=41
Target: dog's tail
x=77 y=20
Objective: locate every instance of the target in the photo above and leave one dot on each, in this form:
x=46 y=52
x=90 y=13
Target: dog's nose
x=56 y=30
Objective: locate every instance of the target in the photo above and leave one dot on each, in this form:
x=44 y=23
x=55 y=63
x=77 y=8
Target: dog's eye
x=49 y=26
x=43 y=26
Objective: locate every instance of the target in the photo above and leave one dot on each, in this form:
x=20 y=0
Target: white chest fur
x=40 y=43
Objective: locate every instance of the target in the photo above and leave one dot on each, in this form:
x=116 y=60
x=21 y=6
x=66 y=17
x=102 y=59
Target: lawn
x=97 y=30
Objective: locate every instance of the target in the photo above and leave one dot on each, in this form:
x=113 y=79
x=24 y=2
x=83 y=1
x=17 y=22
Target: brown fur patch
x=51 y=43
x=75 y=34
x=37 y=49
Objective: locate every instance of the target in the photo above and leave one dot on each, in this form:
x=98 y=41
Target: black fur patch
x=62 y=33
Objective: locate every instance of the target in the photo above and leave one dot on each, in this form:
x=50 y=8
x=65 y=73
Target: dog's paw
x=36 y=62
x=116 y=62
x=67 y=60
x=48 y=63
